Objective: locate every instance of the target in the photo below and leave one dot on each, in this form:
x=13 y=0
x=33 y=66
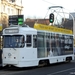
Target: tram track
x=14 y=70
x=9 y=70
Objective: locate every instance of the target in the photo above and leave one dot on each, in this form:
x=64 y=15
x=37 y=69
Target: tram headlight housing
x=9 y=54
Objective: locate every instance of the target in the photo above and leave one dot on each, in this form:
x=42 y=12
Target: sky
x=39 y=8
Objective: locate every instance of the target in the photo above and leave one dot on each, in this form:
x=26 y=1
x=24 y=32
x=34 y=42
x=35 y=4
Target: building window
x=19 y=12
x=3 y=10
x=11 y=0
x=9 y=10
x=12 y=12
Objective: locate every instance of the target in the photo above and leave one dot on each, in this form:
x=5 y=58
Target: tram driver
x=20 y=41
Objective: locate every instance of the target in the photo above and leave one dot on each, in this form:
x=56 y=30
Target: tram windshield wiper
x=14 y=48
x=11 y=46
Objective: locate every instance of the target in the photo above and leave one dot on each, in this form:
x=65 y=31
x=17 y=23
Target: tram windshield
x=13 y=41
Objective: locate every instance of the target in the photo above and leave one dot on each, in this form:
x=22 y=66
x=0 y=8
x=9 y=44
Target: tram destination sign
x=16 y=19
x=52 y=29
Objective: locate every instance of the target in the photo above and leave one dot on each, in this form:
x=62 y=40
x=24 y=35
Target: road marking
x=61 y=71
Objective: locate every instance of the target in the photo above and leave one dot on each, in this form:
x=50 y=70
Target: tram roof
x=27 y=29
x=18 y=29
x=22 y=28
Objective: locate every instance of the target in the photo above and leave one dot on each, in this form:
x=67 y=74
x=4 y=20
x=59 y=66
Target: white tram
x=25 y=47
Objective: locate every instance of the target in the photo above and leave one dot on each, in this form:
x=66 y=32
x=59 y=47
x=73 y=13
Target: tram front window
x=13 y=41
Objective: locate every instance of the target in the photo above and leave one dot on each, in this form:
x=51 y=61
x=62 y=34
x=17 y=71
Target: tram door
x=1 y=46
x=30 y=46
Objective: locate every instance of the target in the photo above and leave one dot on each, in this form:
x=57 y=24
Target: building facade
x=9 y=7
x=31 y=22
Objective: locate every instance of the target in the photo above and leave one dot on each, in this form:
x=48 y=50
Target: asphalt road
x=54 y=69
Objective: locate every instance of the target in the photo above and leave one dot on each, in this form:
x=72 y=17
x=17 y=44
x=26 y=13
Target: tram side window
x=28 y=40
x=34 y=41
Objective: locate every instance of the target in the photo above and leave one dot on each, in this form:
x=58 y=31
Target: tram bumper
x=10 y=63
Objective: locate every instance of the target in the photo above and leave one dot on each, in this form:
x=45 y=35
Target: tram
x=1 y=44
x=24 y=46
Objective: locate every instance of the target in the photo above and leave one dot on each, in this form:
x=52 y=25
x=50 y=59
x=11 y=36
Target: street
x=54 y=69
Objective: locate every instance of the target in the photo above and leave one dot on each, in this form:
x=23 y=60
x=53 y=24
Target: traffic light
x=20 y=20
x=51 y=18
